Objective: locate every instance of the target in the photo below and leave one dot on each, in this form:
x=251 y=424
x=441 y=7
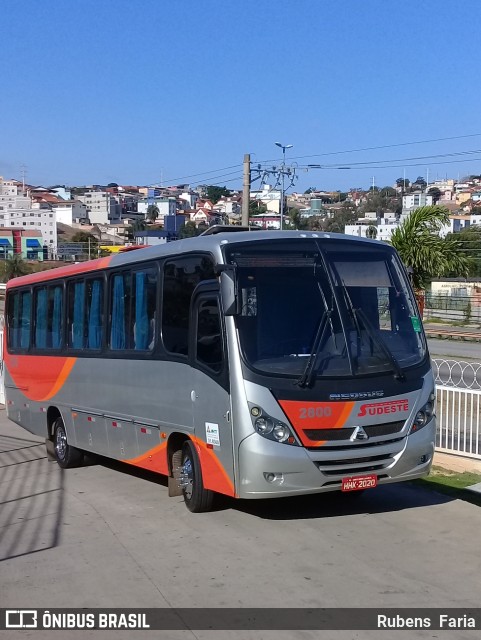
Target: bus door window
x=181 y=276
x=208 y=350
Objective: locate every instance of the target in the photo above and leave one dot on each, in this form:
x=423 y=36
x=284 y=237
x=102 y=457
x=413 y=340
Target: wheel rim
x=60 y=443
x=188 y=474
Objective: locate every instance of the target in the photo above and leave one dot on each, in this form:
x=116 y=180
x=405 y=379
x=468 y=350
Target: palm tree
x=14 y=266
x=152 y=212
x=421 y=248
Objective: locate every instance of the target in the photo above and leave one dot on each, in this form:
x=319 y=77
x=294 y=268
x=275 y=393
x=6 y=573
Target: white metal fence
x=458 y=418
x=458 y=407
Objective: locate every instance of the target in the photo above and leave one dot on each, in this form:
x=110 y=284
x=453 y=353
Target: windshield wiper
x=306 y=379
x=380 y=343
x=359 y=313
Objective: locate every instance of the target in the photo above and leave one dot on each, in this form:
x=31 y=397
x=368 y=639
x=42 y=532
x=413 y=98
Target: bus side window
x=121 y=328
x=143 y=314
x=13 y=320
x=25 y=323
x=95 y=306
x=41 y=312
x=54 y=319
x=209 y=336
x=76 y=315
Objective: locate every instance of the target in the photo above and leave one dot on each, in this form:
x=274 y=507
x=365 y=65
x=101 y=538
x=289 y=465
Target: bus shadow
x=383 y=499
x=92 y=459
x=31 y=498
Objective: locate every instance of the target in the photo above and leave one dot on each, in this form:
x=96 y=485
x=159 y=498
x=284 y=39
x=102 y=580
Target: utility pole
x=283 y=147
x=246 y=190
x=23 y=168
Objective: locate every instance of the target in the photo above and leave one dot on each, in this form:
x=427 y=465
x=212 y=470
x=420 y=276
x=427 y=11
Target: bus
x=255 y=364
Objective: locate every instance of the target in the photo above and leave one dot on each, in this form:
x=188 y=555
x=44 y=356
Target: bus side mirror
x=228 y=293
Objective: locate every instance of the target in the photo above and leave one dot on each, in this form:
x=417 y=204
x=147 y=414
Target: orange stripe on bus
x=62 y=377
x=39 y=377
x=155 y=459
x=214 y=475
x=316 y=416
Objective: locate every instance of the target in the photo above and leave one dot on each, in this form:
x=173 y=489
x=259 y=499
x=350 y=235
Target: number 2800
x=314 y=412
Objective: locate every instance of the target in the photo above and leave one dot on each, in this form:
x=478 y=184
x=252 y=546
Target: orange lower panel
x=154 y=460
x=213 y=473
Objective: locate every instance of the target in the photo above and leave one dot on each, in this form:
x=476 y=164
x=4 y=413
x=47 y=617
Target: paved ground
x=104 y=536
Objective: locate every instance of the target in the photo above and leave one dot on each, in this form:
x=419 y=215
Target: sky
x=177 y=91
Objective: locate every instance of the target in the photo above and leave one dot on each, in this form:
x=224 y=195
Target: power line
x=385 y=146
x=439 y=155
x=388 y=166
x=331 y=153
x=195 y=175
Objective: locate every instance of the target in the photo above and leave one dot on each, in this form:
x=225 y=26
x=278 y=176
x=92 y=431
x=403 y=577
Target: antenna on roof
x=223 y=228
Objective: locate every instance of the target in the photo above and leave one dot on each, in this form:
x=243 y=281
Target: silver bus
x=253 y=364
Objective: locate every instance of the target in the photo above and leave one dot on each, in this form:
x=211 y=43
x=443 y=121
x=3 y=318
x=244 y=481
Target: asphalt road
x=104 y=536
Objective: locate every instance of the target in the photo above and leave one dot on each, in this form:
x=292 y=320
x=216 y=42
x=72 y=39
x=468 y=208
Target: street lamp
x=283 y=147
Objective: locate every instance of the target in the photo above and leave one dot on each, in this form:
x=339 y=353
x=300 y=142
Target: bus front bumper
x=269 y=469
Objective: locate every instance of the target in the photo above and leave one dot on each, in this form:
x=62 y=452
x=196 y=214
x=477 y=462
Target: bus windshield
x=323 y=307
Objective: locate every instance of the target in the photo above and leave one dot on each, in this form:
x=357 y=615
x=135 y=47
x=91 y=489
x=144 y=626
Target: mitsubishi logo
x=359 y=434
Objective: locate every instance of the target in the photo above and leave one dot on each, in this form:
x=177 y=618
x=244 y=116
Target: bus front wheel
x=65 y=455
x=196 y=497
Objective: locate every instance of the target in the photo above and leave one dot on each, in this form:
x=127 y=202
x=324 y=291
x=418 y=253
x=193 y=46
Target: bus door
x=210 y=393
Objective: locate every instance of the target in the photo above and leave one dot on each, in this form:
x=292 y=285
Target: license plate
x=358 y=482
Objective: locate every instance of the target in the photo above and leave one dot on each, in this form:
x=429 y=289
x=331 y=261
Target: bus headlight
x=423 y=416
x=270 y=428
x=264 y=426
x=281 y=432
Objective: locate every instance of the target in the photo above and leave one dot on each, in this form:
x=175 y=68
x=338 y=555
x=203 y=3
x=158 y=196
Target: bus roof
x=206 y=243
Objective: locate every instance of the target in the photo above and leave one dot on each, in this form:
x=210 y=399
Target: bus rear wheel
x=197 y=499
x=65 y=455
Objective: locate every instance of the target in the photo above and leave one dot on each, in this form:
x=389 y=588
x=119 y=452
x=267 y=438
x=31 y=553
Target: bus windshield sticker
x=212 y=433
x=416 y=324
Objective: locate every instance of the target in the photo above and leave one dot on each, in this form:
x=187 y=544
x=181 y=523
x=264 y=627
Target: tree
x=295 y=219
x=388 y=192
x=152 y=212
x=435 y=193
x=88 y=241
x=13 y=267
x=137 y=225
x=214 y=193
x=256 y=207
x=403 y=182
x=346 y=215
x=470 y=242
x=377 y=202
x=188 y=230
x=421 y=248
x=420 y=182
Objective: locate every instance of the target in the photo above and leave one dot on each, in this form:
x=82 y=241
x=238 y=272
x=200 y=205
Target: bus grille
x=373 y=431
x=354 y=465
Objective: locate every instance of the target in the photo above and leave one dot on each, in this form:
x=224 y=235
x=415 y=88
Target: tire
x=196 y=498
x=65 y=455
